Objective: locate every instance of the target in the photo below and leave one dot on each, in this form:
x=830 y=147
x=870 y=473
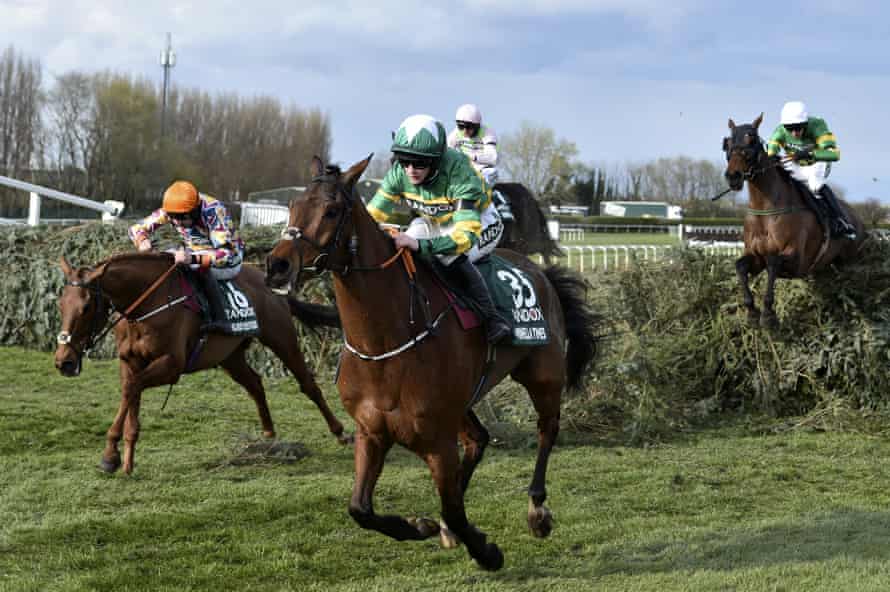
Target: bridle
x=99 y=329
x=752 y=153
x=322 y=261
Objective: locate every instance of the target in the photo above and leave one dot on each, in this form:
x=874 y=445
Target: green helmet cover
x=420 y=135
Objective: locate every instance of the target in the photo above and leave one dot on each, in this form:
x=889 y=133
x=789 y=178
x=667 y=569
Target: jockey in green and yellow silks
x=455 y=220
x=809 y=148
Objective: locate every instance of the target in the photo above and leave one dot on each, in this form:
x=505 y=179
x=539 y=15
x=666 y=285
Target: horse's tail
x=314 y=315
x=581 y=322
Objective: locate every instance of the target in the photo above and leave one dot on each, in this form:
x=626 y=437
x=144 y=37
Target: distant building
x=641 y=209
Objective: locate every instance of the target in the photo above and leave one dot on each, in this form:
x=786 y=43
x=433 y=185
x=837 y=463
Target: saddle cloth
x=240 y=316
x=516 y=299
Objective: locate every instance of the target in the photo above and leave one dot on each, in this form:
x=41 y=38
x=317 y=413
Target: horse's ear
x=316 y=167
x=758 y=121
x=66 y=267
x=731 y=124
x=95 y=273
x=355 y=171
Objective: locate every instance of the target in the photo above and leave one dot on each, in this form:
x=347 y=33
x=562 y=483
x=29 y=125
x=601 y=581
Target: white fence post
x=34 y=209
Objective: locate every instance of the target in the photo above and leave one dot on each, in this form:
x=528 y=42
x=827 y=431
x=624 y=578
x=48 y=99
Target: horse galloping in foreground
x=412 y=383
x=160 y=338
x=782 y=233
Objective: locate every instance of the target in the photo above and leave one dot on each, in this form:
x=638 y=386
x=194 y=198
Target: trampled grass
x=738 y=507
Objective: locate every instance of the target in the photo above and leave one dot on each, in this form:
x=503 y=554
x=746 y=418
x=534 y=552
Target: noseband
x=97 y=333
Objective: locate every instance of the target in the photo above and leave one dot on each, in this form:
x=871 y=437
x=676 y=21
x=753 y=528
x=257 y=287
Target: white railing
x=110 y=209
x=256 y=214
x=590 y=258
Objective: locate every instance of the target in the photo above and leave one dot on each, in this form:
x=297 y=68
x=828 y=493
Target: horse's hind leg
x=285 y=345
x=745 y=266
x=240 y=371
x=443 y=463
x=370 y=452
x=545 y=389
x=474 y=439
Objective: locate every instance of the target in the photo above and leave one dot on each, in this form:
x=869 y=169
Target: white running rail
x=110 y=209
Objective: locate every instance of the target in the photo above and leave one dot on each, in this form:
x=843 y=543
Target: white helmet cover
x=468 y=112
x=794 y=112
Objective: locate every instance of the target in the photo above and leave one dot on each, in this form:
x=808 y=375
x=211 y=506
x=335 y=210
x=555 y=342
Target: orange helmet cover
x=180 y=197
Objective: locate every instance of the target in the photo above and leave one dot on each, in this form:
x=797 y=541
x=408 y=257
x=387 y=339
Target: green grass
x=736 y=507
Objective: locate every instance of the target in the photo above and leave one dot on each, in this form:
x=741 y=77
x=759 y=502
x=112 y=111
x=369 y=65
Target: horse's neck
x=373 y=305
x=127 y=277
x=768 y=191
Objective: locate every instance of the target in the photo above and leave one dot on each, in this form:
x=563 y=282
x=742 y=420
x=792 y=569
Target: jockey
x=809 y=149
x=211 y=241
x=455 y=220
x=479 y=143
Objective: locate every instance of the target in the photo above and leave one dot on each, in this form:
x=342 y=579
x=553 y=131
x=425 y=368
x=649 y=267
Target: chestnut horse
x=408 y=377
x=782 y=232
x=158 y=342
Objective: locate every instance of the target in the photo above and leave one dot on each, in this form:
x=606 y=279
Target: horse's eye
x=331 y=213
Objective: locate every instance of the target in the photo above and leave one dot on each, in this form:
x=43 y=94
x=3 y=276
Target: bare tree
x=20 y=121
x=535 y=157
x=872 y=211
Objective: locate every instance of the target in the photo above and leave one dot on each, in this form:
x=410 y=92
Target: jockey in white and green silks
x=809 y=148
x=480 y=144
x=455 y=220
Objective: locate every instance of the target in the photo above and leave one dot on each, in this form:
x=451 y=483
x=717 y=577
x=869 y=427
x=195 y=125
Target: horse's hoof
x=447 y=538
x=108 y=466
x=269 y=435
x=425 y=526
x=540 y=521
x=492 y=559
x=346 y=439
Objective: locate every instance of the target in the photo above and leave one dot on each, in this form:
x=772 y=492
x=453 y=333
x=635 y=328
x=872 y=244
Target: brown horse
x=527 y=233
x=409 y=382
x=158 y=342
x=783 y=234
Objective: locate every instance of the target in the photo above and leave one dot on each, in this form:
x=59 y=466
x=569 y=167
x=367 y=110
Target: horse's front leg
x=164 y=370
x=111 y=456
x=768 y=317
x=370 y=452
x=745 y=266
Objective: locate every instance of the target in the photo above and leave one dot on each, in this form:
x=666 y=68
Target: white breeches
x=492 y=230
x=814 y=175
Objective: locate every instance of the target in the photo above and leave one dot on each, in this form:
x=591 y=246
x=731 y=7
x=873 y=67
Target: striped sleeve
x=388 y=195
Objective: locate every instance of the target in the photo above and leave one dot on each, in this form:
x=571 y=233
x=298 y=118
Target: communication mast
x=168 y=60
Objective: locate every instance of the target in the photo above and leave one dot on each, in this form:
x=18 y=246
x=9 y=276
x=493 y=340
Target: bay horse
x=782 y=233
x=527 y=233
x=160 y=339
x=412 y=383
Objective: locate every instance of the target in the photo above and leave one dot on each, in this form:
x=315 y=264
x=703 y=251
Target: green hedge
x=678 y=352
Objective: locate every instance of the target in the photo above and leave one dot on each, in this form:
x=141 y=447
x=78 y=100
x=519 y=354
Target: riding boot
x=496 y=328
x=841 y=227
x=217 y=321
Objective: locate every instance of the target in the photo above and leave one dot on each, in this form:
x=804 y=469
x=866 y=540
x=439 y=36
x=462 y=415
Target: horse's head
x=319 y=229
x=744 y=150
x=84 y=310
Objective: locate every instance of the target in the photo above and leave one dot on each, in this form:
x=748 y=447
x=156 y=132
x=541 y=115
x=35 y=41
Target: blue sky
x=625 y=80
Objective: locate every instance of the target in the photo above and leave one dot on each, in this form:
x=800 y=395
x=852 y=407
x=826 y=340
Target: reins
x=95 y=337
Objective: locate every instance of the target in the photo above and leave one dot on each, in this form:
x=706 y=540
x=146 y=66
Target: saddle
x=240 y=316
x=512 y=292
